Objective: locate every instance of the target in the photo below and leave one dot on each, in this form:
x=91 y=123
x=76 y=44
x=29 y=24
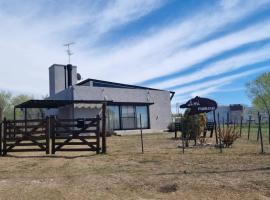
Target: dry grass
x=163 y=172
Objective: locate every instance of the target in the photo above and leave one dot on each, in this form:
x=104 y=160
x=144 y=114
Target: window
x=128 y=117
x=113 y=117
x=143 y=112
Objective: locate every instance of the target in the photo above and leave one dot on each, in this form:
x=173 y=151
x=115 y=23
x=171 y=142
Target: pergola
x=53 y=104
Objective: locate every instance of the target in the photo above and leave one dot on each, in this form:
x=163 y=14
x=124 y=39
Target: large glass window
x=143 y=112
x=113 y=117
x=128 y=117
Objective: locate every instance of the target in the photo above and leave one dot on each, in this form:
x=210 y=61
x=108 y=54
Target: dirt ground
x=162 y=172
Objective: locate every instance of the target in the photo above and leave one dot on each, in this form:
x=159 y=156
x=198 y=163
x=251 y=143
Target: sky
x=209 y=48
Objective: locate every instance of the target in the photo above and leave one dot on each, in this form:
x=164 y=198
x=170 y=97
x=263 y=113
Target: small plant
x=228 y=136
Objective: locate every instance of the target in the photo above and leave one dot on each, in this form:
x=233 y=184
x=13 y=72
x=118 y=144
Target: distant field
x=163 y=172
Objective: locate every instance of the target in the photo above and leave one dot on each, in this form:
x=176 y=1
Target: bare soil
x=162 y=172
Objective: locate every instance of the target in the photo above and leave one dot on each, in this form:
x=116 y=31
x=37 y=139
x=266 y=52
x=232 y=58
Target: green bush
x=193 y=125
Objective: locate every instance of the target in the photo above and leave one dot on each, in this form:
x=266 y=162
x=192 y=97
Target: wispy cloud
x=165 y=50
x=33 y=33
x=205 y=88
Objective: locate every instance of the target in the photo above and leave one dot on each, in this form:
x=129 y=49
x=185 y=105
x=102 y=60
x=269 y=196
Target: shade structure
x=200 y=105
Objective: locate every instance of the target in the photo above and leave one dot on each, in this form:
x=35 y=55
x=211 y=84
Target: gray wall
x=160 y=111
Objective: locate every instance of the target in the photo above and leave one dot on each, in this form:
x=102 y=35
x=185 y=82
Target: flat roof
x=55 y=103
x=120 y=85
x=61 y=103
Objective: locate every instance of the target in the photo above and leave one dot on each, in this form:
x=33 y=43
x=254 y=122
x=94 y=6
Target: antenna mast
x=69 y=52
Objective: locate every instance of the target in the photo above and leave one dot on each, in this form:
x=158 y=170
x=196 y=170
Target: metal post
x=104 y=149
x=175 y=130
x=215 y=124
x=141 y=133
x=241 y=123
x=223 y=123
x=249 y=121
x=258 y=127
x=228 y=120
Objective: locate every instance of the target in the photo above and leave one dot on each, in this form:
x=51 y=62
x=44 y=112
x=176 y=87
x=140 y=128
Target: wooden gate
x=75 y=132
x=25 y=135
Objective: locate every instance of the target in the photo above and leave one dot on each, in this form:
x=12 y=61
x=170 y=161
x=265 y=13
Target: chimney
x=69 y=72
x=61 y=77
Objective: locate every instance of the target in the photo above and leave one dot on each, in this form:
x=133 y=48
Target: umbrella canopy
x=200 y=105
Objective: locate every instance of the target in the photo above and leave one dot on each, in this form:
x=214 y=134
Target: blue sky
x=209 y=48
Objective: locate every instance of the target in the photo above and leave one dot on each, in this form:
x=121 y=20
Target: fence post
x=269 y=127
x=223 y=123
x=241 y=124
x=175 y=130
x=52 y=133
x=4 y=151
x=215 y=124
x=104 y=148
x=260 y=132
x=98 y=134
x=249 y=121
x=228 y=121
x=220 y=148
x=47 y=134
x=1 y=123
x=258 y=127
x=141 y=133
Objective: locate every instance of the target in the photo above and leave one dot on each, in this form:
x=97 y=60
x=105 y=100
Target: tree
x=259 y=92
x=5 y=101
x=16 y=100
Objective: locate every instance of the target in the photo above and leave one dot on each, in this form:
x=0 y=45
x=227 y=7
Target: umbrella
x=200 y=105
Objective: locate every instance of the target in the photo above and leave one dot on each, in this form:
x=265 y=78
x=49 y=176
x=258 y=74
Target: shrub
x=228 y=136
x=193 y=125
x=171 y=127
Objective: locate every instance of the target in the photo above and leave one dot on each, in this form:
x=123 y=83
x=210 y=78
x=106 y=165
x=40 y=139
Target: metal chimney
x=69 y=71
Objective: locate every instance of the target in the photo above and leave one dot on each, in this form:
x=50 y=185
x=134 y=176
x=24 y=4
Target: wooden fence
x=25 y=135
x=51 y=135
x=75 y=132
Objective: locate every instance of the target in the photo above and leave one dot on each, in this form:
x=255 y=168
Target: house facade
x=127 y=104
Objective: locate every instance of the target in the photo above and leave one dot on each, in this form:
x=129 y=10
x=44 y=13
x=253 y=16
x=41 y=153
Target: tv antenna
x=69 y=52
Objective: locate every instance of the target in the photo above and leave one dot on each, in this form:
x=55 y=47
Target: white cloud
x=207 y=87
x=220 y=67
x=32 y=33
x=165 y=50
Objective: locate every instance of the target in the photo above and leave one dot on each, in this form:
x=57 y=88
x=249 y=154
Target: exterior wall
x=160 y=111
x=222 y=110
x=235 y=115
x=57 y=78
x=65 y=112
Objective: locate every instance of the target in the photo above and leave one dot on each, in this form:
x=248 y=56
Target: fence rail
x=36 y=134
